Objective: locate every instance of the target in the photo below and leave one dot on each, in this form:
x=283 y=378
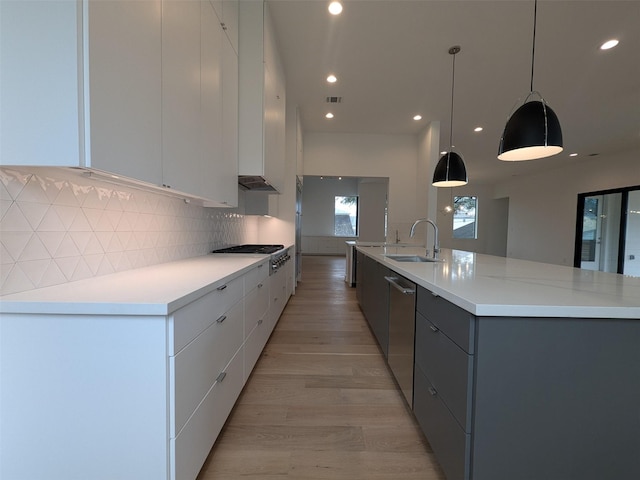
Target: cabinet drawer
x=256 y=304
x=196 y=367
x=190 y=448
x=456 y=322
x=450 y=443
x=256 y=276
x=255 y=343
x=448 y=367
x=187 y=322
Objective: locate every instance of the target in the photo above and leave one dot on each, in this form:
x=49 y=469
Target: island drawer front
x=190 y=448
x=255 y=276
x=197 y=366
x=448 y=367
x=451 y=445
x=456 y=323
x=190 y=320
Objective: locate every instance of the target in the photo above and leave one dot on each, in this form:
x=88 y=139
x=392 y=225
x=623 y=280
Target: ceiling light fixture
x=609 y=44
x=533 y=130
x=335 y=8
x=573 y=154
x=329 y=115
x=450 y=170
x=332 y=78
x=478 y=129
x=417 y=117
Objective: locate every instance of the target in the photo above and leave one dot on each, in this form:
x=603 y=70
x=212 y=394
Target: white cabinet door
x=219 y=113
x=125 y=88
x=39 y=114
x=261 y=96
x=181 y=95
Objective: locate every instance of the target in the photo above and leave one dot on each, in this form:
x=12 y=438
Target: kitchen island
x=132 y=375
x=523 y=370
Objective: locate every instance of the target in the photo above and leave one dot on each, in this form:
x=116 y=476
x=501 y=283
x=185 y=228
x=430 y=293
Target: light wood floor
x=321 y=402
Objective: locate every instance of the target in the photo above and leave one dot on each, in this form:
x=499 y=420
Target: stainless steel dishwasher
x=402 y=324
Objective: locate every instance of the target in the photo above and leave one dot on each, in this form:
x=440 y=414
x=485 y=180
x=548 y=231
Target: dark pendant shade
x=450 y=171
x=533 y=131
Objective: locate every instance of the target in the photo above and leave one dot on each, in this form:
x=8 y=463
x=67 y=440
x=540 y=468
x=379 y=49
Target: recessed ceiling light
x=329 y=115
x=609 y=44
x=332 y=79
x=477 y=129
x=335 y=8
x=573 y=154
x=444 y=152
x=417 y=117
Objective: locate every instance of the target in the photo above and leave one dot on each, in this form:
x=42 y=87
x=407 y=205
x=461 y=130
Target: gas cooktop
x=265 y=249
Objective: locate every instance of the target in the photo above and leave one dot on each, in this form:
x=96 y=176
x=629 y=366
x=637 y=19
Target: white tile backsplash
x=57 y=226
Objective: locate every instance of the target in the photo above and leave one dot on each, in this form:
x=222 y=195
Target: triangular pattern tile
x=51 y=222
x=35 y=269
x=15 y=221
x=51 y=240
x=52 y=276
x=67 y=266
x=33 y=212
x=34 y=250
x=17 y=281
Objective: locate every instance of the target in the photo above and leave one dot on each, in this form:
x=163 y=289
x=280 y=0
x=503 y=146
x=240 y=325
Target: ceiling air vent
x=334 y=99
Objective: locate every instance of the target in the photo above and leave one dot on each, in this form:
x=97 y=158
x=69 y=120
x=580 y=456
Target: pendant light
x=533 y=130
x=450 y=170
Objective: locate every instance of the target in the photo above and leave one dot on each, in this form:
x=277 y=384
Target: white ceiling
x=391 y=58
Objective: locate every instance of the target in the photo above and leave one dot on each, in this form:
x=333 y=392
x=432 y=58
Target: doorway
x=608 y=231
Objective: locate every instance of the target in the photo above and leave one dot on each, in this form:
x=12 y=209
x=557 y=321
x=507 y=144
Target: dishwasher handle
x=402 y=288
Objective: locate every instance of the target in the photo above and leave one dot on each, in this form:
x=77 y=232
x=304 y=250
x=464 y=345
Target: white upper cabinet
x=262 y=97
x=124 y=95
x=39 y=118
x=133 y=88
x=219 y=110
x=227 y=12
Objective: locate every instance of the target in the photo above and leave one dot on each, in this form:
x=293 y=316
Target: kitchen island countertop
x=487 y=285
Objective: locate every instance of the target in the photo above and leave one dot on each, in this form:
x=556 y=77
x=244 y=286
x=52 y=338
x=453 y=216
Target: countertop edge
x=39 y=301
x=456 y=295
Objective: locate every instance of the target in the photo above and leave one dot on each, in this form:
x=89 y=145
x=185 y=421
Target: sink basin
x=412 y=258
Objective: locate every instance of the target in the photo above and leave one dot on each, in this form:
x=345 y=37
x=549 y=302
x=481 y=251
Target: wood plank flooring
x=321 y=403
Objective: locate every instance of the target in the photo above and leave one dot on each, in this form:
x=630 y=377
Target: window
x=465 y=211
x=346 y=216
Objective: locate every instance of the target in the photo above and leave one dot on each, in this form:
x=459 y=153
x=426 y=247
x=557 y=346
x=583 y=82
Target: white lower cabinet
x=192 y=445
x=127 y=397
x=256 y=331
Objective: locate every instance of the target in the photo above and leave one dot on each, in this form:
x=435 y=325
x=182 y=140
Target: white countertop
x=486 y=285
x=155 y=290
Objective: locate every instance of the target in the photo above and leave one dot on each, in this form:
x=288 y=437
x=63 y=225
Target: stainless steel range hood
x=255 y=183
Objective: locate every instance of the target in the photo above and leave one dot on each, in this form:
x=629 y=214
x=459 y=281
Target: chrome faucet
x=436 y=245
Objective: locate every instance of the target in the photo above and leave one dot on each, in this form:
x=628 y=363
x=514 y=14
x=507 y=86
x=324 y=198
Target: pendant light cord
x=453 y=51
x=533 y=48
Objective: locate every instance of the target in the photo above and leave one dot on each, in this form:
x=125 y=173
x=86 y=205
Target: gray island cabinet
x=501 y=395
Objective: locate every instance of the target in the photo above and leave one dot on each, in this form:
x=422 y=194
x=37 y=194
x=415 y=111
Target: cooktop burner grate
x=249 y=248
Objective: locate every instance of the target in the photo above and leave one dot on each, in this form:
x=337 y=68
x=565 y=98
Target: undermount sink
x=412 y=258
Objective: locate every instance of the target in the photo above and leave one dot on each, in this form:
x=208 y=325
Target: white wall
x=542 y=207
x=372 y=209
x=492 y=218
x=372 y=155
x=318 y=197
